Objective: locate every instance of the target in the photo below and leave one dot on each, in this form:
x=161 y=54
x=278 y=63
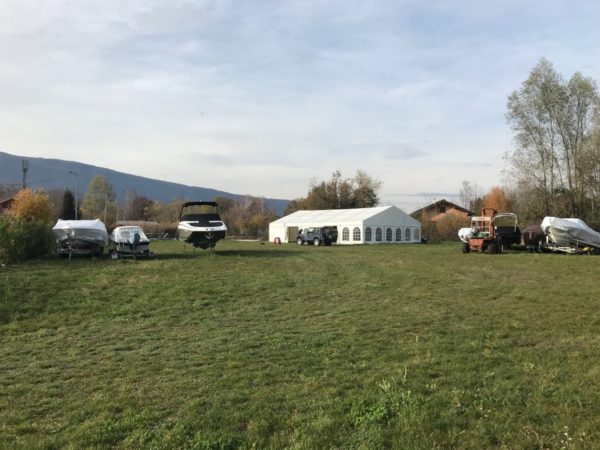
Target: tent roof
x=333 y=216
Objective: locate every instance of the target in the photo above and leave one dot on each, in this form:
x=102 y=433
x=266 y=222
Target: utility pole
x=105 y=202
x=25 y=166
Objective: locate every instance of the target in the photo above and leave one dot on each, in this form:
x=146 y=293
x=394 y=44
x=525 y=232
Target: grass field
x=389 y=346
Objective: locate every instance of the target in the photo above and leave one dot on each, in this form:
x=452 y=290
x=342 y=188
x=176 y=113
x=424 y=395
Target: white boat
x=129 y=240
x=569 y=233
x=80 y=237
x=200 y=224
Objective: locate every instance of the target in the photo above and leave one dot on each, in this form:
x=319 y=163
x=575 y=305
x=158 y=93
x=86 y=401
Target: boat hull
x=198 y=236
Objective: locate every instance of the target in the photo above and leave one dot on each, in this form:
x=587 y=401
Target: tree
x=67 y=211
x=166 y=213
x=141 y=208
x=99 y=201
x=339 y=193
x=31 y=205
x=448 y=226
x=366 y=190
x=226 y=209
x=469 y=194
x=553 y=125
x=497 y=198
x=126 y=206
x=246 y=216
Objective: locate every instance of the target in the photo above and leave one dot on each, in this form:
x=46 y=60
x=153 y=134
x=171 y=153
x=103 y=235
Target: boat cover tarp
x=567 y=232
x=84 y=230
x=126 y=234
x=465 y=233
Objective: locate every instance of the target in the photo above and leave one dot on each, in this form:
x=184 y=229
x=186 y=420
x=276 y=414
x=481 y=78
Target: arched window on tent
x=407 y=234
x=345 y=234
x=368 y=234
x=416 y=234
x=398 y=234
x=378 y=235
x=388 y=235
x=356 y=234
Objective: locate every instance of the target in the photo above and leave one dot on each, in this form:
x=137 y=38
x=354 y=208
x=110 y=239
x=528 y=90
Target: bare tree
x=553 y=123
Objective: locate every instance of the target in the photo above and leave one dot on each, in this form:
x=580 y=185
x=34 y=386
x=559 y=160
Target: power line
x=36 y=181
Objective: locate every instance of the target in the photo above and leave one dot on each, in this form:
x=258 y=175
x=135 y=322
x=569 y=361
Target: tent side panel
x=277 y=231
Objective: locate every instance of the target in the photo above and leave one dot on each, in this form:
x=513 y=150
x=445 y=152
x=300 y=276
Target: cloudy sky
x=261 y=97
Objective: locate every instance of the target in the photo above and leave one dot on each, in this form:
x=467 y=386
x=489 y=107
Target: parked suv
x=315 y=236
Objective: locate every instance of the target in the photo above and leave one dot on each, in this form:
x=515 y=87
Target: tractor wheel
x=316 y=242
x=491 y=248
x=499 y=245
x=466 y=248
x=299 y=241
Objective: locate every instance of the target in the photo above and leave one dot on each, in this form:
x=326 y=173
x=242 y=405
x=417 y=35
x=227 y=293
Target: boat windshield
x=128 y=233
x=199 y=212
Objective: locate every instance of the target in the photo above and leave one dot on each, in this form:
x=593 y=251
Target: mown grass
x=409 y=346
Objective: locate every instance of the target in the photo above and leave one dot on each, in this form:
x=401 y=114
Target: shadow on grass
x=260 y=253
x=228 y=253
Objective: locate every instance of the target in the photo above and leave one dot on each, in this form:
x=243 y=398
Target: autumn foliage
x=25 y=231
x=31 y=206
x=498 y=199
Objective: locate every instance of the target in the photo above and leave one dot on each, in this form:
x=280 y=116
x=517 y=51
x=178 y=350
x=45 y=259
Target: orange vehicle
x=487 y=235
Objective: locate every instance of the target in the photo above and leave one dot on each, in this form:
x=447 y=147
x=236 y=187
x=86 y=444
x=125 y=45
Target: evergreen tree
x=67 y=211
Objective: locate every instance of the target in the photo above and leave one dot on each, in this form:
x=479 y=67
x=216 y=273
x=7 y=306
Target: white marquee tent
x=378 y=225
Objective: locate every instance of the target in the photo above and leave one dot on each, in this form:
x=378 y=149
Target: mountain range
x=59 y=174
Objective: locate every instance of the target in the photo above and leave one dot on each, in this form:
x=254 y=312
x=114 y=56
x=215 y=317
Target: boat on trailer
x=569 y=235
x=200 y=224
x=80 y=237
x=129 y=240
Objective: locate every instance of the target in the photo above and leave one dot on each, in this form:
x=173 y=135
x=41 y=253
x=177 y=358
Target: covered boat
x=129 y=240
x=80 y=237
x=569 y=235
x=200 y=224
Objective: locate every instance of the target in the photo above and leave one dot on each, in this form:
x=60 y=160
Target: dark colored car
x=316 y=236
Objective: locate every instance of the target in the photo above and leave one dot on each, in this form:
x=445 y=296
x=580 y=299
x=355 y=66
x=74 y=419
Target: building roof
x=336 y=216
x=7 y=203
x=443 y=202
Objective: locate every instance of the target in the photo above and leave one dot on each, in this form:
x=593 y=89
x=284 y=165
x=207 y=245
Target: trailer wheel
x=466 y=248
x=491 y=248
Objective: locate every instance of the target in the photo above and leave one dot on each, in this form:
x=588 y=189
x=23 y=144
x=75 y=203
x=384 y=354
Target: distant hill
x=54 y=174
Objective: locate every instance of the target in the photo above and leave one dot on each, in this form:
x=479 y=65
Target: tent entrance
x=292 y=233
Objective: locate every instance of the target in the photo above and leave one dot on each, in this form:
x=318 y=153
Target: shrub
x=24 y=239
x=448 y=226
x=33 y=206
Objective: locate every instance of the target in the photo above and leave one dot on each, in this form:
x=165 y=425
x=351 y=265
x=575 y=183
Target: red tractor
x=489 y=235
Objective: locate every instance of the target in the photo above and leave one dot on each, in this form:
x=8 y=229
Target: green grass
x=390 y=346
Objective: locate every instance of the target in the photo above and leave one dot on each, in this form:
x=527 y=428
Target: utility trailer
x=488 y=234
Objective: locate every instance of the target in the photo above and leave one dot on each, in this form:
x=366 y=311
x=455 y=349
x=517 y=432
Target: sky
x=263 y=97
